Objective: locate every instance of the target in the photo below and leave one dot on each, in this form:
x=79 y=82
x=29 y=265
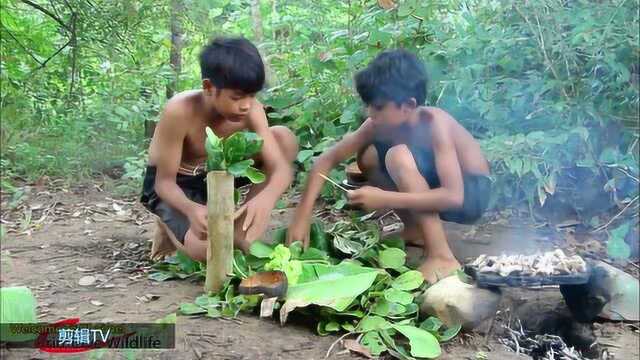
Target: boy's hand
x=257 y=215
x=368 y=197
x=299 y=231
x=198 y=221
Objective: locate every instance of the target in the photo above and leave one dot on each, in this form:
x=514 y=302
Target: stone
x=610 y=294
x=456 y=302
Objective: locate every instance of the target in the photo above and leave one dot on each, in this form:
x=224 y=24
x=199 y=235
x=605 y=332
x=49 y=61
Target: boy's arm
x=345 y=148
x=278 y=170
x=170 y=135
x=450 y=194
x=279 y=175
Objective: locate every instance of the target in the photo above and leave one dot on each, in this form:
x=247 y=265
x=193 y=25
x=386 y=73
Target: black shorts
x=477 y=187
x=194 y=188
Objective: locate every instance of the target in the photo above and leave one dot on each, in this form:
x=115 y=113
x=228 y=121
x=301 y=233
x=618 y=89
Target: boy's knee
x=287 y=141
x=399 y=160
x=367 y=160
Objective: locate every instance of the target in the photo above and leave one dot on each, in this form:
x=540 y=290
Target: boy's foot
x=162 y=244
x=437 y=268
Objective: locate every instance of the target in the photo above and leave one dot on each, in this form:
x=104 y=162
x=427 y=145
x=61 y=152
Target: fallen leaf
x=356 y=347
x=147 y=297
x=87 y=280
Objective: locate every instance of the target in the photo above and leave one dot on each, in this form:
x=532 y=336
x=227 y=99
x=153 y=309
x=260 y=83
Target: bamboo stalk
x=333 y=182
x=220 y=209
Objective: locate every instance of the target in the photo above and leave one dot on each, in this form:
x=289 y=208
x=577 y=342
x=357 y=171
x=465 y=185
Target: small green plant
x=233 y=154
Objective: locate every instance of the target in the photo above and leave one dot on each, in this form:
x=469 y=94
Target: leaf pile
x=233 y=154
x=348 y=280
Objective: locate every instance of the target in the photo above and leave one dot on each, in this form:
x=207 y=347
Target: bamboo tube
x=220 y=207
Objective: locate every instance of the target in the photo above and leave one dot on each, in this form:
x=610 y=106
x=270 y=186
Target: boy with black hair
x=420 y=161
x=174 y=185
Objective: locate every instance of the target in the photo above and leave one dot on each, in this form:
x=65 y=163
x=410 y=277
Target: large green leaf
x=18 y=306
x=423 y=344
x=372 y=341
x=334 y=286
x=410 y=280
x=371 y=323
x=239 y=168
x=255 y=175
x=392 y=258
x=398 y=296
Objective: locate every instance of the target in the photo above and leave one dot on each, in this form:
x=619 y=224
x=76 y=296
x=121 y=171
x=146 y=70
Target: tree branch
x=47 y=12
x=52 y=56
x=22 y=46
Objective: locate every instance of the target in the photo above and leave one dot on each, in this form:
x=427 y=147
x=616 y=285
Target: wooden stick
x=333 y=182
x=220 y=208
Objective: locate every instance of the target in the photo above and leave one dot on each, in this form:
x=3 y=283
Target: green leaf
x=333 y=326
x=431 y=324
x=187 y=264
x=279 y=235
x=410 y=280
x=260 y=250
x=371 y=323
x=334 y=286
x=214 y=312
x=398 y=296
x=206 y=301
x=191 y=309
x=239 y=168
x=304 y=155
x=255 y=175
x=169 y=319
x=18 y=306
x=161 y=276
x=314 y=254
x=348 y=326
x=450 y=333
x=381 y=307
x=372 y=341
x=423 y=344
x=318 y=238
x=392 y=258
x=394 y=242
x=320 y=328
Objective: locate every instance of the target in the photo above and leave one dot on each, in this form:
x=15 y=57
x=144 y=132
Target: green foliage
x=338 y=292
x=233 y=154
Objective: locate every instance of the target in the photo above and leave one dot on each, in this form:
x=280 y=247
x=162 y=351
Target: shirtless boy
x=174 y=185
x=419 y=161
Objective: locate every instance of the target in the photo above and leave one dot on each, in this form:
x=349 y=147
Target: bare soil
x=57 y=235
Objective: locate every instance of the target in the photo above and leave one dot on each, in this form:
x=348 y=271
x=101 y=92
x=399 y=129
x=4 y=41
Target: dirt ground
x=56 y=235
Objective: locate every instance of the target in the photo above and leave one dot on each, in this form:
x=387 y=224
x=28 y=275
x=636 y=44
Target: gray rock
x=610 y=293
x=456 y=302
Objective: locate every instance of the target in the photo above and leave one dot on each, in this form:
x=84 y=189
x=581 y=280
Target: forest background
x=549 y=87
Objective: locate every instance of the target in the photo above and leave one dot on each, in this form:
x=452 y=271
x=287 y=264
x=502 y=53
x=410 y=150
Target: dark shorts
x=194 y=188
x=477 y=187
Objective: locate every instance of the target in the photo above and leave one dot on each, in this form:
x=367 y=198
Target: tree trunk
x=177 y=32
x=175 y=57
x=258 y=36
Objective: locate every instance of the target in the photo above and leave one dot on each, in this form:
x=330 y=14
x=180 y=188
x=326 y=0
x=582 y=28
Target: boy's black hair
x=394 y=75
x=233 y=63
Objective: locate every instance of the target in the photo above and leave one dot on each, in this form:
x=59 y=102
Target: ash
x=542 y=347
